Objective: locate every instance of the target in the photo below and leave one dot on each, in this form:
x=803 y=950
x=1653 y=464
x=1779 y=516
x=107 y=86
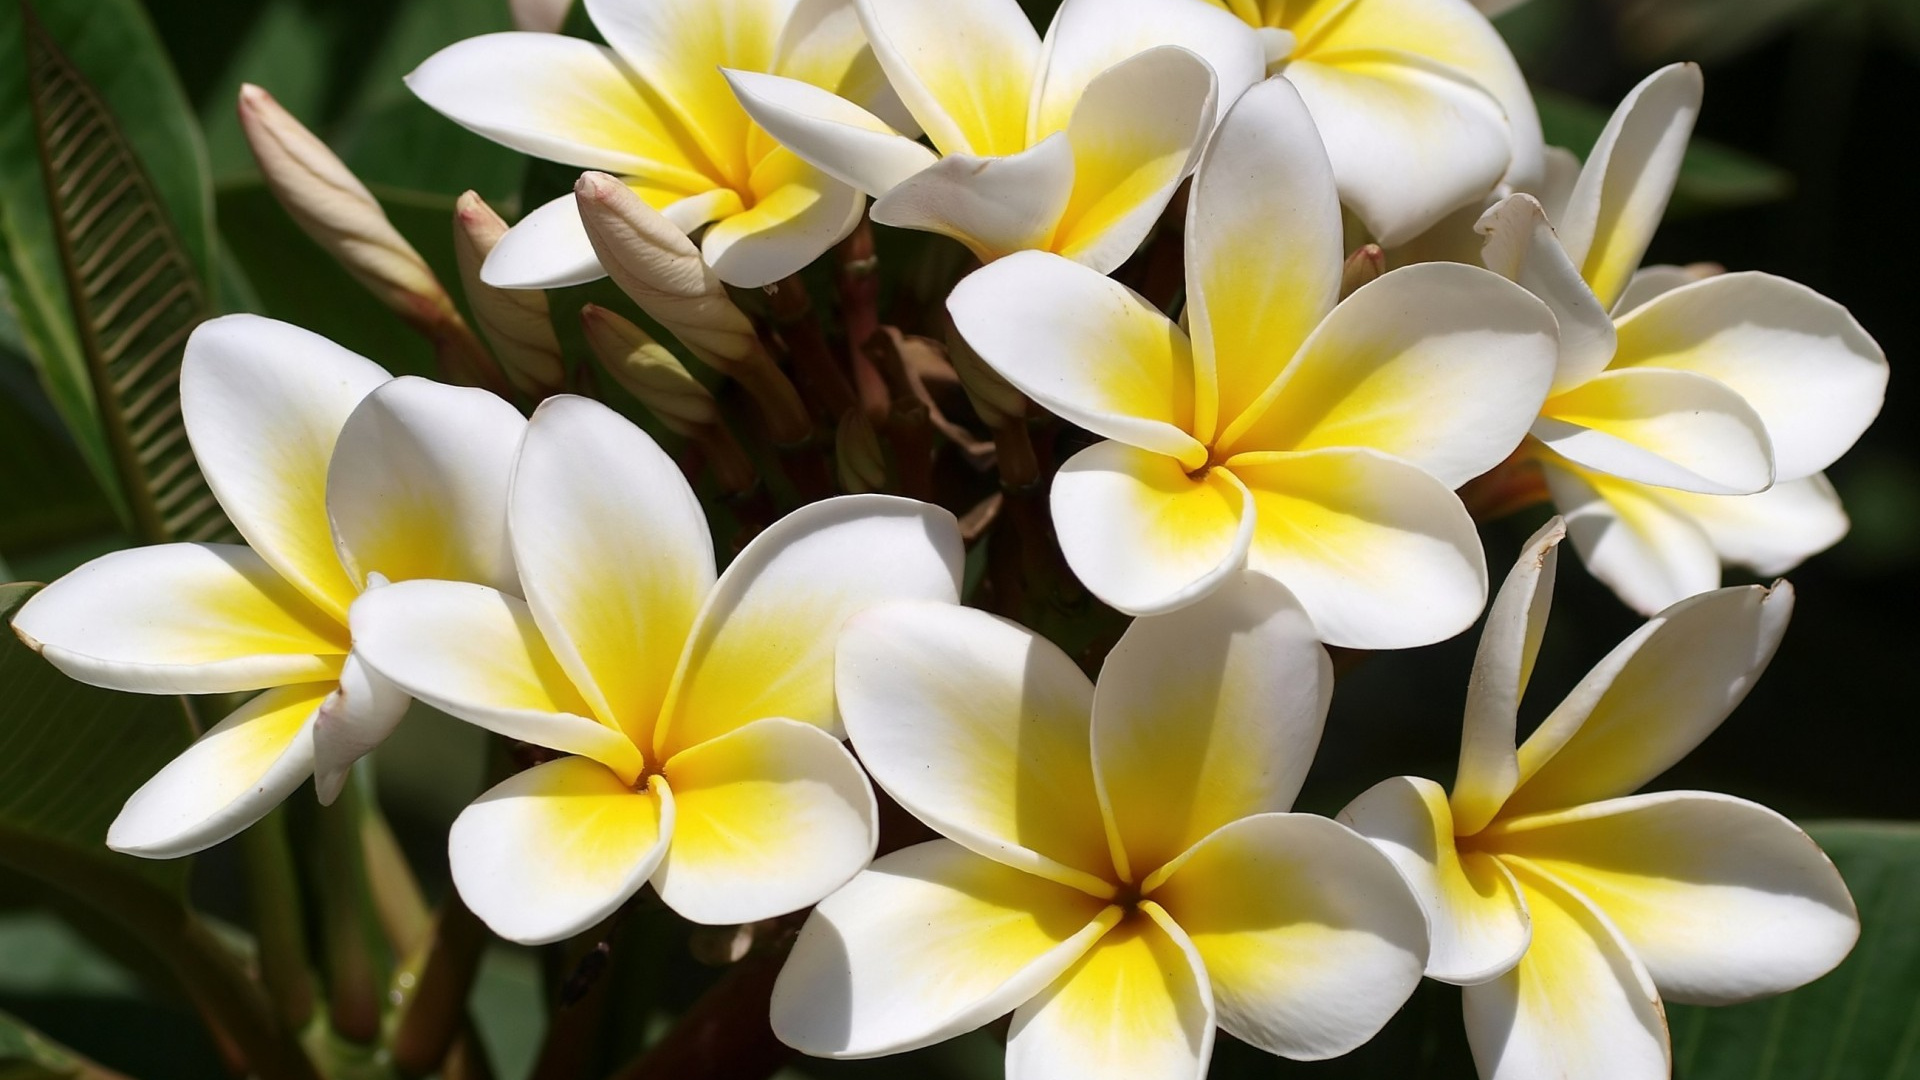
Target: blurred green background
x=1809 y=105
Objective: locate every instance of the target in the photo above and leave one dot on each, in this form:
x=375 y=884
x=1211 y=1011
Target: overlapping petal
x=1631 y=537
x=1772 y=532
x=964 y=69
x=1666 y=428
x=551 y=851
x=1090 y=37
x=358 y=716
x=994 y=205
x=930 y=942
x=837 y=136
x=800 y=212
x=1521 y=247
x=547 y=249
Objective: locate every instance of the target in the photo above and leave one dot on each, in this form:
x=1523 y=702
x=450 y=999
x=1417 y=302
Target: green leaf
x=25 y=1054
x=1862 y=1022
x=126 y=191
x=1713 y=176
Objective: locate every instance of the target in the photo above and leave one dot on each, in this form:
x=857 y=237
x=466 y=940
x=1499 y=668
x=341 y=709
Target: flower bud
x=1366 y=263
x=516 y=322
x=858 y=459
x=543 y=16
x=648 y=371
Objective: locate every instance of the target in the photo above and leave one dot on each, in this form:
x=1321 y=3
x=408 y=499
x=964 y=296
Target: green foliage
x=25 y=1054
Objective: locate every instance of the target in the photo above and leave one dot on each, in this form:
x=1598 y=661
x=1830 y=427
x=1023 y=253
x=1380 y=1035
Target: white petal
x=1772 y=532
x=227 y=780
x=1579 y=1006
x=978 y=727
x=1411 y=139
x=840 y=138
x=1489 y=768
x=1441 y=365
x=801 y=212
x=1310 y=935
x=768 y=820
x=475 y=653
x=264 y=403
x=1381 y=554
x=1263 y=250
x=823 y=44
x=1808 y=369
x=1629 y=176
x=1632 y=538
x=547 y=249
x=763 y=644
x=964 y=68
x=1135 y=1007
x=357 y=717
x=1086 y=347
x=418 y=485
x=1653 y=699
x=1722 y=900
x=1207 y=715
x=994 y=205
x=1670 y=429
x=1651 y=281
x=1522 y=247
x=1142 y=533
x=550 y=852
x=181 y=618
x=931 y=942
x=1092 y=37
x=590 y=493
x=1477 y=920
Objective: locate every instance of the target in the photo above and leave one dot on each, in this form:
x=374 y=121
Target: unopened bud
x=516 y=322
x=857 y=456
x=995 y=399
x=648 y=371
x=543 y=16
x=1366 y=263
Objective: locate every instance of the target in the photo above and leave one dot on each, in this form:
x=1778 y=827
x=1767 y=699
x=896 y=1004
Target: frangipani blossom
x=1118 y=870
x=698 y=707
x=655 y=110
x=1071 y=145
x=340 y=477
x=1422 y=105
x=1673 y=394
x=1568 y=905
x=1317 y=443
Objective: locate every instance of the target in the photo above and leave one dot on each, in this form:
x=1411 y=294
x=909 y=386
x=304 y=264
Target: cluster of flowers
x=1118 y=866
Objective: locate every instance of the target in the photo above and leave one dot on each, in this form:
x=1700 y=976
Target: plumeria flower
x=654 y=110
x=697 y=709
x=340 y=478
x=1118 y=868
x=1422 y=105
x=1570 y=907
x=1317 y=443
x=1674 y=394
x=1071 y=145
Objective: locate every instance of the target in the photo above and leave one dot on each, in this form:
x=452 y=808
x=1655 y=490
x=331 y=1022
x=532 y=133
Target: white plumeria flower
x=1673 y=394
x=340 y=477
x=1119 y=870
x=1568 y=906
x=1317 y=443
x=699 y=708
x=1072 y=145
x=1422 y=105
x=655 y=111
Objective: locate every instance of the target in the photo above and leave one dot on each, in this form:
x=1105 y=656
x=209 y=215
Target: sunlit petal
x=964 y=68
x=994 y=205
x=1632 y=537
x=1666 y=428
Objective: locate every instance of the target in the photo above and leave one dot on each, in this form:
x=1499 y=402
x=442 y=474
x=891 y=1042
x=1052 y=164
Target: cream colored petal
x=228 y=779
x=1649 y=282
x=356 y=718
x=964 y=68
x=1478 y=923
x=1381 y=554
x=1086 y=347
x=1441 y=365
x=418 y=485
x=591 y=493
x=979 y=728
x=994 y=205
x=181 y=619
x=1808 y=369
x=1263 y=251
x=1135 y=1007
x=930 y=942
x=1521 y=247
x=835 y=135
x=1578 y=1006
x=1206 y=715
x=763 y=644
x=1629 y=176
x=548 y=248
x=1721 y=899
x=1144 y=534
x=477 y=654
x=552 y=851
x=1489 y=766
x=1090 y=38
x=799 y=213
x=1772 y=532
x=768 y=820
x=1670 y=429
x=823 y=44
x=1653 y=699
x=1311 y=937
x=264 y=403
x=1632 y=537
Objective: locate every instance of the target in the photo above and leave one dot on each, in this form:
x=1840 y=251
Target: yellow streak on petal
x=590 y=826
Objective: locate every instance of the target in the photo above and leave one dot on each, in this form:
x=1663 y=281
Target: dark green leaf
x=25 y=1054
x=1713 y=177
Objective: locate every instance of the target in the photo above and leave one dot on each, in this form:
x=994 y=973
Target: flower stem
x=434 y=1012
x=276 y=911
x=353 y=980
